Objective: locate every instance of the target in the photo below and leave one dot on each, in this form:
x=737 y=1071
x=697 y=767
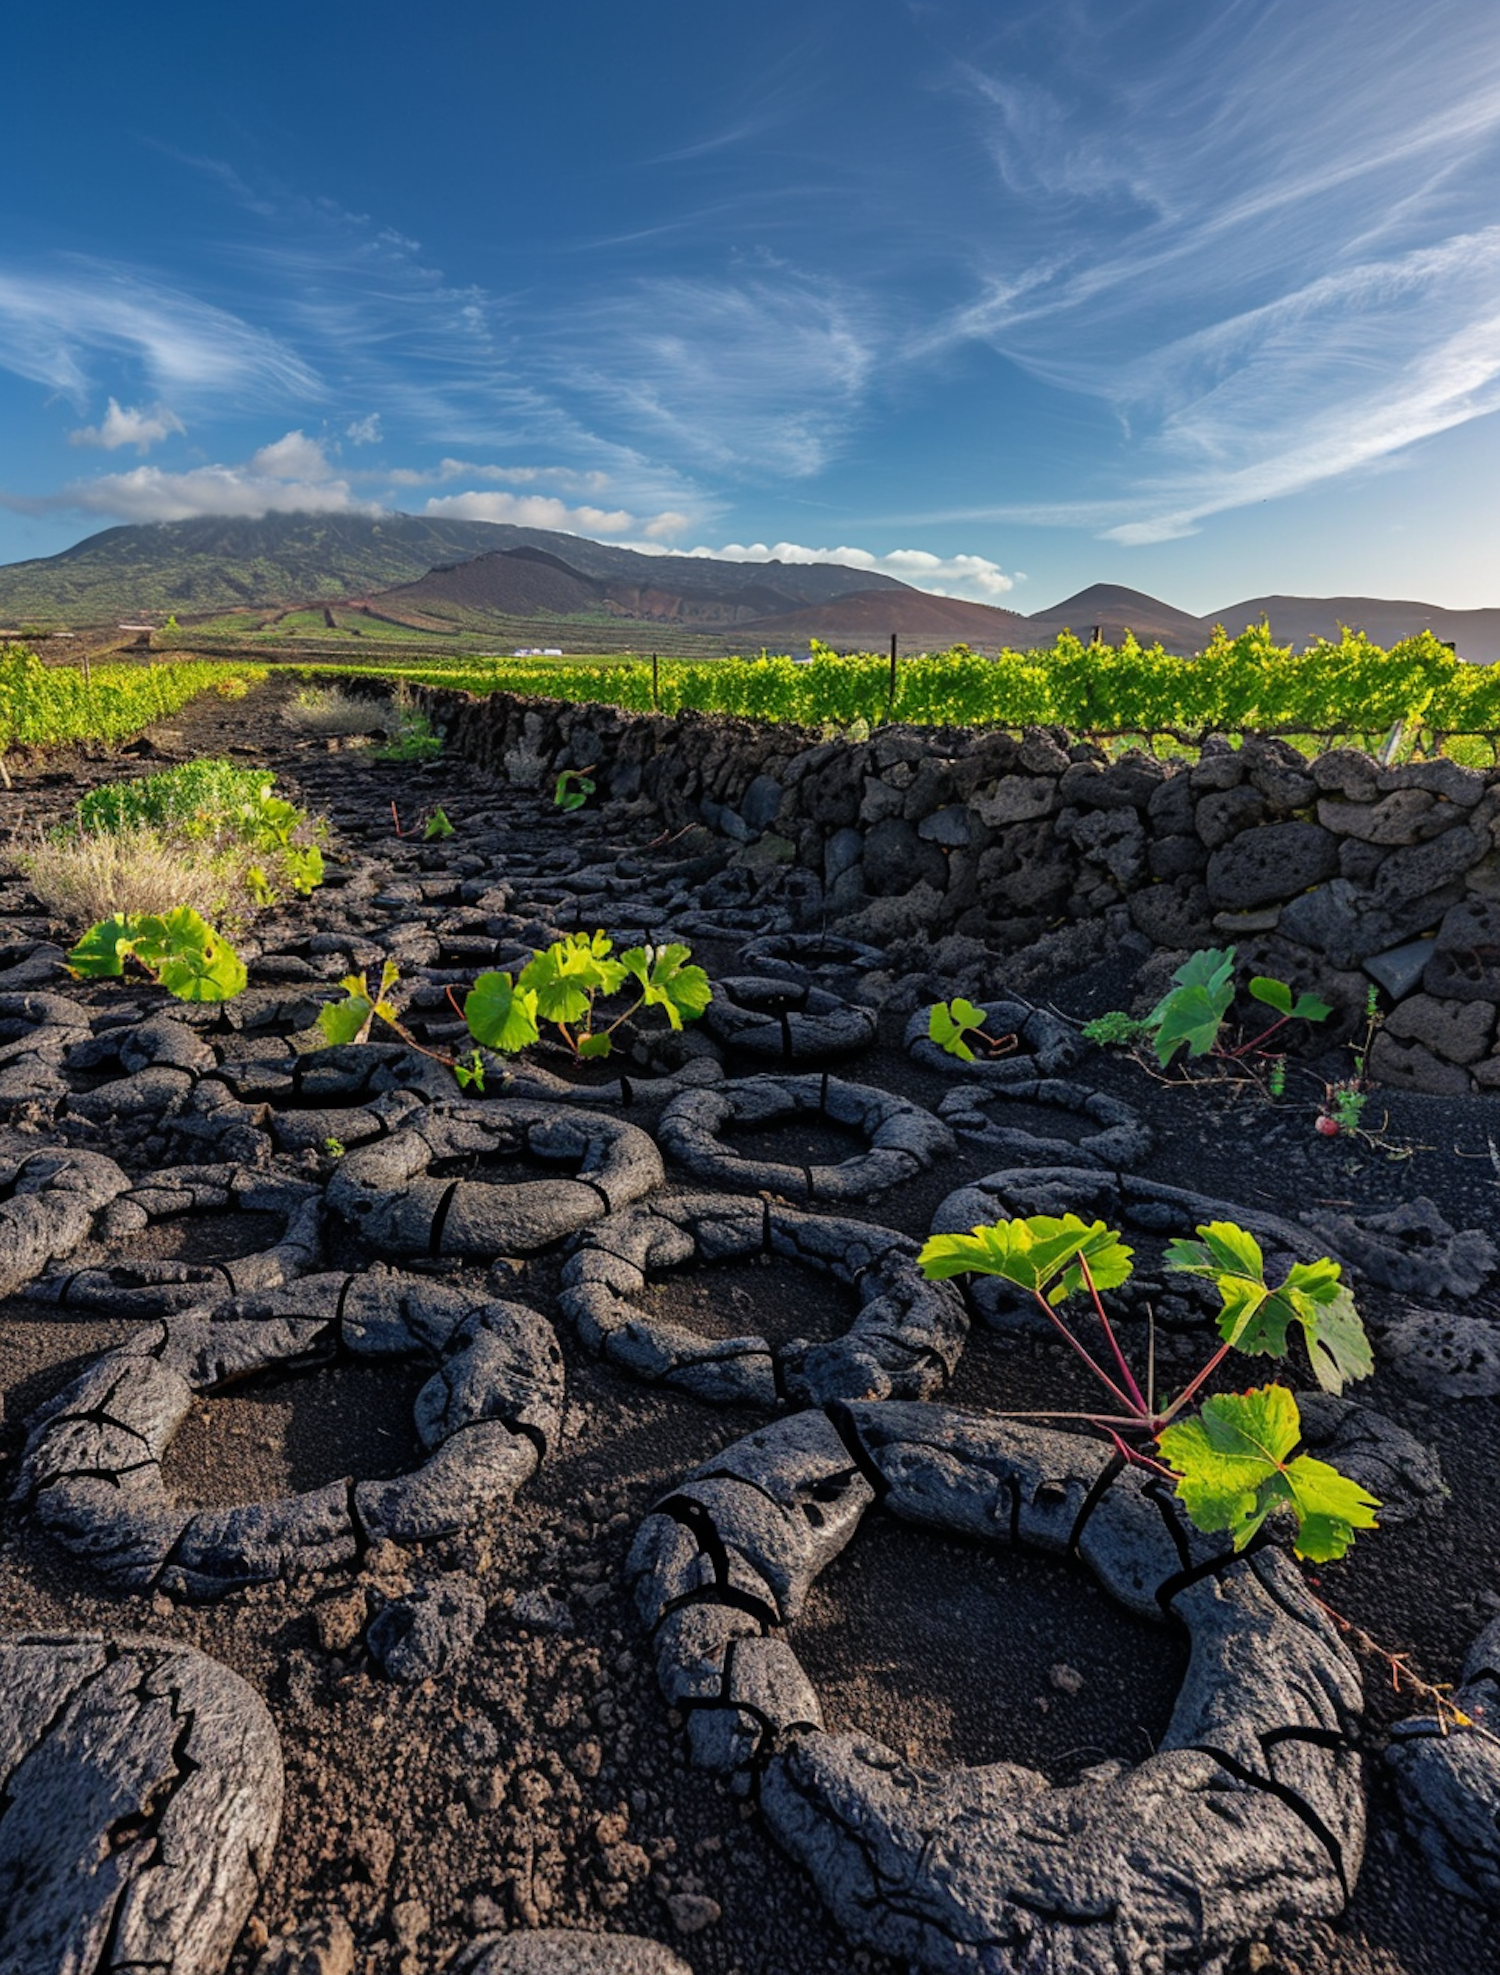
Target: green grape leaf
x=471 y=1073
x=100 y=955
x=594 y=1046
x=1041 y=1255
x=501 y=1014
x=667 y=981
x=438 y=827
x=304 y=867
x=194 y=962
x=346 y=1021
x=949 y=1022
x=1256 y=1314
x=1193 y=1011
x=1233 y=1471
x=1276 y=994
x=566 y=976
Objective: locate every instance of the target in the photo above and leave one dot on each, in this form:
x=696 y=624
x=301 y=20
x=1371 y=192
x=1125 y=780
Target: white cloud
x=364 y=431
x=970 y=576
x=543 y=511
x=55 y=325
x=149 y=494
x=127 y=426
x=294 y=457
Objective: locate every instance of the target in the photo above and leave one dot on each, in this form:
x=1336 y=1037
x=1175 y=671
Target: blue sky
x=1200 y=296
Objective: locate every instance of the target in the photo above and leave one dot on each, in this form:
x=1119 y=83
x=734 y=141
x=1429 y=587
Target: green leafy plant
x=1234 y=1463
x=1344 y=1102
x=303 y=864
x=1192 y=1013
x=334 y=1147
x=178 y=948
x=950 y=1024
x=564 y=984
x=437 y=828
x=572 y=788
x=351 y=1019
x=1115 y=1029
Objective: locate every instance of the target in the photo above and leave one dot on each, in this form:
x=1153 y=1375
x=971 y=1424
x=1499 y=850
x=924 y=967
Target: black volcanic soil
x=545 y=1780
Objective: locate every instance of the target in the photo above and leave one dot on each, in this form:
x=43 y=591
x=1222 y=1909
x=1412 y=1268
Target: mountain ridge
x=444 y=572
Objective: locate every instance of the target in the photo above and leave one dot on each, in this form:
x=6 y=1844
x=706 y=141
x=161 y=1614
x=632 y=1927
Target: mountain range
x=427 y=574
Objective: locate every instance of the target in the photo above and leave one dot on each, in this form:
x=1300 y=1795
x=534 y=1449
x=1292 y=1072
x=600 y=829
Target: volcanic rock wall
x=1324 y=872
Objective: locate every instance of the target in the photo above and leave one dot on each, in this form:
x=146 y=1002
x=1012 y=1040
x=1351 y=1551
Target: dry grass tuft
x=84 y=878
x=330 y=710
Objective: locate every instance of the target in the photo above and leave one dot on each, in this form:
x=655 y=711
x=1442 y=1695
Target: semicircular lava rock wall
x=1327 y=873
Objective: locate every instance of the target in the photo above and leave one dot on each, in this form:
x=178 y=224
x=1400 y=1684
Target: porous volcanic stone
x=1276 y=862
x=1448 y=1780
x=140 y=1798
x=49 y=1197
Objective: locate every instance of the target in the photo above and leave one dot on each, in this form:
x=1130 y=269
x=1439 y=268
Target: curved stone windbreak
x=637 y=1095
x=824 y=957
x=903 y=1138
x=37 y=1032
x=1251 y=1811
x=50 y=1197
x=92 y=1471
x=556 y=1951
x=1033 y=1044
x=1448 y=1779
x=140 y=1800
x=1120 y=1137
x=904 y=1342
x=385 y=1192
x=155 y=1288
x=775 y=1019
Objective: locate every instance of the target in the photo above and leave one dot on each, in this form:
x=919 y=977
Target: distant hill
x=866 y=619
x=1475 y=634
x=1112 y=610
x=227 y=563
x=686 y=590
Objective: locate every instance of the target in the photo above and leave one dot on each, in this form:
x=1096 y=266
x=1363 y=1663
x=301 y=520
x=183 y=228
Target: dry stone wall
x=1326 y=872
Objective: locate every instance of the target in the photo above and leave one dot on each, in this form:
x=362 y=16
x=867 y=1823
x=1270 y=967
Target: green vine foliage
x=1234 y=1463
x=178 y=948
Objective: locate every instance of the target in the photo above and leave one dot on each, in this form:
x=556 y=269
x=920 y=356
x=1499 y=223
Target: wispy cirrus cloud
x=752 y=374
x=58 y=324
x=1270 y=279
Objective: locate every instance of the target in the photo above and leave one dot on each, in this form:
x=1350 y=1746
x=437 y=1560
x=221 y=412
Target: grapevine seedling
x=437 y=828
x=179 y=949
x=1191 y=1014
x=950 y=1024
x=573 y=788
x=1234 y=1463
x=563 y=984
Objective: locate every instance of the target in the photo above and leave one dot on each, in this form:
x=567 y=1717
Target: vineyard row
x=1236 y=685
